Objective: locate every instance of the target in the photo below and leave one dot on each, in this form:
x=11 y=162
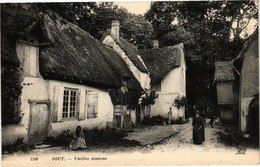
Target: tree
x=95 y=18
x=215 y=21
x=209 y=28
x=138 y=31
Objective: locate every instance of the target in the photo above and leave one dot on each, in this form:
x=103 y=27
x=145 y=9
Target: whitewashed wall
x=33 y=89
x=40 y=89
x=244 y=113
x=105 y=109
x=37 y=88
x=172 y=86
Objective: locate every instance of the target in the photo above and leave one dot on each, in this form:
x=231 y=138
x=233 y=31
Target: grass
x=232 y=137
x=97 y=138
x=18 y=146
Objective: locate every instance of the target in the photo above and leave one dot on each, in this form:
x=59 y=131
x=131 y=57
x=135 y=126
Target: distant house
x=66 y=78
x=227 y=91
x=247 y=70
x=129 y=53
x=167 y=70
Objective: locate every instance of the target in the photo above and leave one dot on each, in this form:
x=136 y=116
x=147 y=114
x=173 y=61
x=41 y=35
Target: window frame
x=69 y=101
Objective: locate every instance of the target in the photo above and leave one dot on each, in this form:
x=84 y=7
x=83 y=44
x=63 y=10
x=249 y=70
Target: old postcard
x=130 y=83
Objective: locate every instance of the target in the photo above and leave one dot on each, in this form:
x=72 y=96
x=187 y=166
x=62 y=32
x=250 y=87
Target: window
x=92 y=104
x=69 y=103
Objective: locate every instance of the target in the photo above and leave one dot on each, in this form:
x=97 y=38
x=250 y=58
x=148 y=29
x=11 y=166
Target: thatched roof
x=224 y=71
x=76 y=56
x=161 y=61
x=16 y=20
x=73 y=55
x=132 y=52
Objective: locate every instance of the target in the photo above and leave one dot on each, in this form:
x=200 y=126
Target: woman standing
x=78 y=141
x=198 y=129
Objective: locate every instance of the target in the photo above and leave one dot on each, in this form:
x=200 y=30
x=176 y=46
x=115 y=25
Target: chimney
x=155 y=44
x=108 y=31
x=115 y=29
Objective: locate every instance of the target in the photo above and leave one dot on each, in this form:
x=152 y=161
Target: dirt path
x=183 y=151
x=176 y=150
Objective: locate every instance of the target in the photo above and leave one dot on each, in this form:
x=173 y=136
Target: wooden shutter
x=31 y=57
x=92 y=104
x=57 y=103
x=28 y=55
x=81 y=104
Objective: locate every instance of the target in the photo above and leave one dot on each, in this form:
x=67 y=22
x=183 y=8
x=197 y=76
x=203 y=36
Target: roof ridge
x=166 y=47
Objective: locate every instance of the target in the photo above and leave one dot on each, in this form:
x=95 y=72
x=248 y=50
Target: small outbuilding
x=227 y=91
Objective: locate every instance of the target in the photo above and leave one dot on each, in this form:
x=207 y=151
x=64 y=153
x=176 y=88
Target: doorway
x=39 y=120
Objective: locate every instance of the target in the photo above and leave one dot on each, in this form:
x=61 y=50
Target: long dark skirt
x=198 y=131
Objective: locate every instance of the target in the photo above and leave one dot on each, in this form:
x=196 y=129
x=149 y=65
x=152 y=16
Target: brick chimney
x=115 y=29
x=155 y=44
x=108 y=31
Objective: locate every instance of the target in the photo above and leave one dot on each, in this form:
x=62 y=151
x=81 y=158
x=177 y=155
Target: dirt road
x=176 y=150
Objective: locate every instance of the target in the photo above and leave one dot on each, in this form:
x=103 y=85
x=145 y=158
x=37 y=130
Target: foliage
x=207 y=103
x=10 y=92
x=155 y=120
x=211 y=31
x=180 y=102
x=149 y=99
x=137 y=30
x=95 y=18
x=129 y=98
x=19 y=145
x=232 y=137
x=95 y=137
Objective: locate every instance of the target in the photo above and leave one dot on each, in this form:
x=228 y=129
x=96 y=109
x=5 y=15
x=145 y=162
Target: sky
x=135 y=7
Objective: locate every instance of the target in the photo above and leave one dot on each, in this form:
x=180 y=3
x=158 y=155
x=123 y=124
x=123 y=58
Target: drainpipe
x=239 y=97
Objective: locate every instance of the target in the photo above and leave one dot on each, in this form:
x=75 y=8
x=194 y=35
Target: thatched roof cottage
x=167 y=70
x=129 y=53
x=66 y=78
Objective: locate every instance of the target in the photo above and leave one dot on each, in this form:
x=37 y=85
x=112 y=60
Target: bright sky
x=135 y=7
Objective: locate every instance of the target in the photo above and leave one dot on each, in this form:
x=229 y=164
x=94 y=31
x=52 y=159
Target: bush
x=96 y=136
x=179 y=121
x=232 y=137
x=93 y=137
x=63 y=139
x=11 y=90
x=19 y=145
x=155 y=120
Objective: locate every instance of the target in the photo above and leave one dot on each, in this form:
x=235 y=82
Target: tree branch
x=242 y=28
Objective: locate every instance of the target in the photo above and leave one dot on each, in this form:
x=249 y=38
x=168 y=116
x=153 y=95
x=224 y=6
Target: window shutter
x=57 y=100
x=32 y=60
x=81 y=104
x=96 y=104
x=92 y=104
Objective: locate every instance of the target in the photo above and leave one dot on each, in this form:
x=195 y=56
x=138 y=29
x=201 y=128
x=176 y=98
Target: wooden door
x=39 y=122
